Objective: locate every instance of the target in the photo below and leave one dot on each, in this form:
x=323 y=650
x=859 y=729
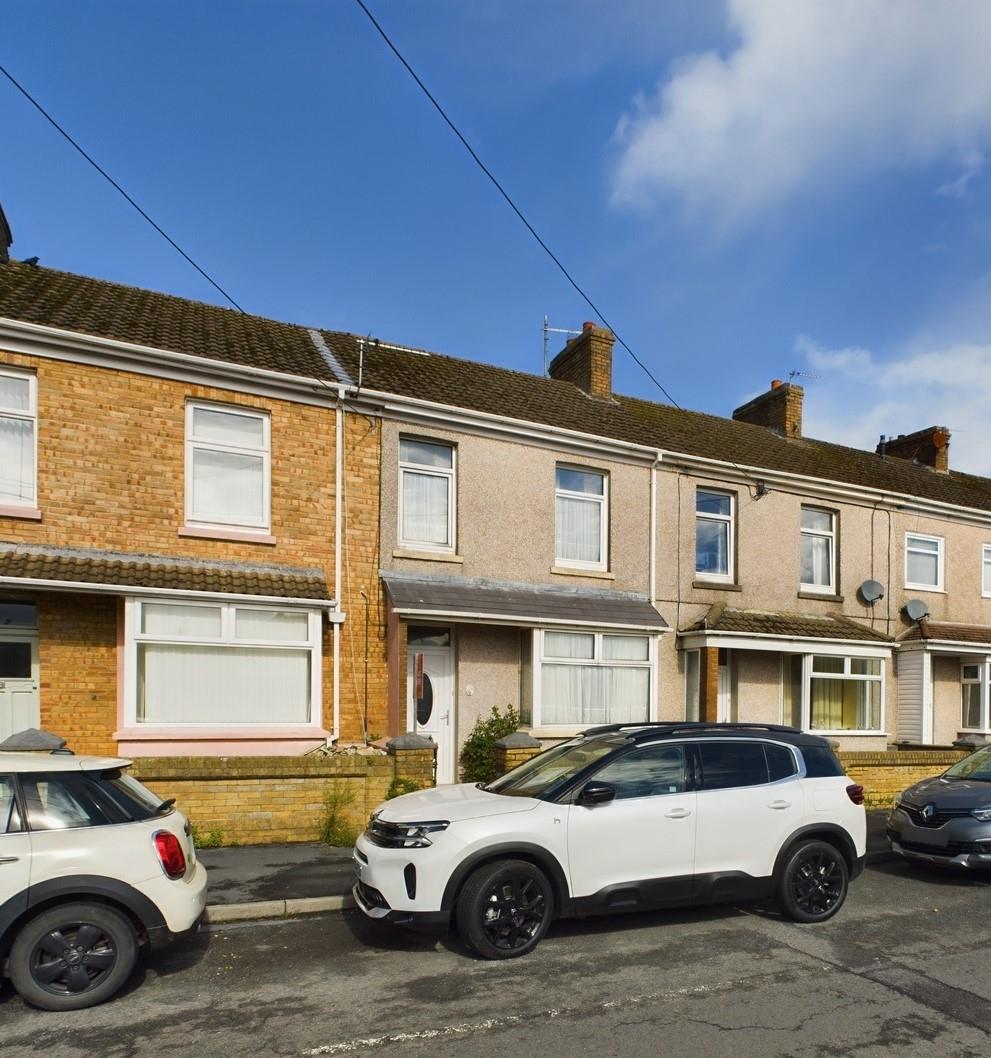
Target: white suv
x=92 y=865
x=622 y=818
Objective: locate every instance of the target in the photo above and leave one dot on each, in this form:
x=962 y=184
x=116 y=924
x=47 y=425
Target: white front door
x=724 y=702
x=431 y=713
x=20 y=706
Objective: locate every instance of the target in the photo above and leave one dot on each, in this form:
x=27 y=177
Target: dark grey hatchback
x=947 y=819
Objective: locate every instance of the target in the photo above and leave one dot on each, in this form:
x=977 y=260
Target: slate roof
x=519 y=603
x=111 y=310
x=90 y=566
x=937 y=630
x=788 y=625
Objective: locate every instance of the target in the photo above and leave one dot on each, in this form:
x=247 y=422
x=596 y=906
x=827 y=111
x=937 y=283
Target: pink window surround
x=14 y=510
x=238 y=536
x=218 y=742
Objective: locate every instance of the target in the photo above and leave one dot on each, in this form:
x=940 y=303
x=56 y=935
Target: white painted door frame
x=438 y=723
x=20 y=700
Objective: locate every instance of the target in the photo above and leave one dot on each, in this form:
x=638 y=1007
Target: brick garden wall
x=884 y=774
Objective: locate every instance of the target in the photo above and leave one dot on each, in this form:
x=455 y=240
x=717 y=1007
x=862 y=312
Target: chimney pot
x=929 y=447
x=776 y=383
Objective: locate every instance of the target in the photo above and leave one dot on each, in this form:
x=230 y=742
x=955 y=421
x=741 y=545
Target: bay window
x=581 y=518
x=222 y=664
x=818 y=550
x=714 y=535
x=228 y=467
x=426 y=495
x=833 y=693
x=18 y=437
x=584 y=678
x=923 y=562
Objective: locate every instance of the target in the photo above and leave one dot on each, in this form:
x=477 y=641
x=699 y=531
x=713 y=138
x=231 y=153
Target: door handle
x=9 y=859
x=678 y=813
x=780 y=804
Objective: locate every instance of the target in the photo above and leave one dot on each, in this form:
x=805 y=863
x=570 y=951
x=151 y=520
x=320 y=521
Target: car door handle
x=678 y=813
x=9 y=859
x=780 y=804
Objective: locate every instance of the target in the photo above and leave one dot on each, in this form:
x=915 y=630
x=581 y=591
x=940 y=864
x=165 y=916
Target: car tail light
x=170 y=853
x=856 y=793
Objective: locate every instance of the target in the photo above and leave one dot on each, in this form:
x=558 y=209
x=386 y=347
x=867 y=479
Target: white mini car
x=622 y=818
x=92 y=866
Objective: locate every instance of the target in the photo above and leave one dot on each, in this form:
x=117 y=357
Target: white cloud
x=814 y=93
x=858 y=396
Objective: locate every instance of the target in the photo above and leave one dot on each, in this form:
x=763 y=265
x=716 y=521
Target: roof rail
x=655 y=726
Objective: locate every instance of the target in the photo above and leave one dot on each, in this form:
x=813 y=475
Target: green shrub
x=478 y=755
x=398 y=787
x=335 y=827
x=212 y=839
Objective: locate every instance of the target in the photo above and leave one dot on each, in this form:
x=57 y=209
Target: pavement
x=265 y=881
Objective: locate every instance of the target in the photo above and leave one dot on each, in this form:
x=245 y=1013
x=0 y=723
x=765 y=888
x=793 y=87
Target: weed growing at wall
x=400 y=786
x=211 y=839
x=478 y=755
x=335 y=827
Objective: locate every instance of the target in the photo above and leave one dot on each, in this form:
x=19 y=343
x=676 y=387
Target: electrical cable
x=48 y=117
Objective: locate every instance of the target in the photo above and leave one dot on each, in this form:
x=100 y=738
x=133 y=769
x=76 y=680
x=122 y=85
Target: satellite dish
x=871 y=591
x=916 y=609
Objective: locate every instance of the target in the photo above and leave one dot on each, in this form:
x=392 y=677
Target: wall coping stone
x=32 y=740
x=519 y=740
x=410 y=741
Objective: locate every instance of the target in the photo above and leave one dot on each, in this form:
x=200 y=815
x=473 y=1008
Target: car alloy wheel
x=814 y=882
x=505 y=908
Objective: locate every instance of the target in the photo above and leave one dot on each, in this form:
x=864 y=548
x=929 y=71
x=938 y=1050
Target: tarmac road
x=903 y=970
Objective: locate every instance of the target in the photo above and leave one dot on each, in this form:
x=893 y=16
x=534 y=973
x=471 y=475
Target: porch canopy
x=949 y=638
x=480 y=601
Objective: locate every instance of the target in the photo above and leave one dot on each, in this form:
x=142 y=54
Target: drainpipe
x=653 y=526
x=338 y=551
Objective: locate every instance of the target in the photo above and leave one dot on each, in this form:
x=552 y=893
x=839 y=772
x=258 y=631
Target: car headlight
x=416 y=834
x=896 y=801
x=983 y=814
x=404 y=835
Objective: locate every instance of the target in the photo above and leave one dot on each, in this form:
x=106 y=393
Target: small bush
x=478 y=755
x=335 y=827
x=398 y=787
x=212 y=839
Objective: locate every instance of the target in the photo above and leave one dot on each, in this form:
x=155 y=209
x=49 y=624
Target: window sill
x=826 y=595
x=922 y=587
x=427 y=556
x=571 y=571
x=717 y=585
x=845 y=734
x=14 y=510
x=237 y=536
x=206 y=733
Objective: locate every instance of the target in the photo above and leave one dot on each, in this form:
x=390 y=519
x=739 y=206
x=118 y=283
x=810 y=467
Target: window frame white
x=983 y=665
x=133 y=636
x=985 y=568
x=597 y=661
x=729 y=577
x=820 y=589
x=193 y=444
x=940 y=553
x=30 y=415
x=448 y=473
x=586 y=497
x=845 y=675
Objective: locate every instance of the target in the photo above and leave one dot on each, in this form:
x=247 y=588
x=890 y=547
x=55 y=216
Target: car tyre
x=73 y=956
x=504 y=909
x=813 y=882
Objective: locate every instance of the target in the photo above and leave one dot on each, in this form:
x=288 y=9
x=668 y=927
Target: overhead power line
x=512 y=205
x=48 y=117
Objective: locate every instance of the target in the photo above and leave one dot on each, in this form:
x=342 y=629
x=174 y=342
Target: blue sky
x=747 y=188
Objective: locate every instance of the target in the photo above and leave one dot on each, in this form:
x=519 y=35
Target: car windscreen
x=554 y=765
x=976 y=767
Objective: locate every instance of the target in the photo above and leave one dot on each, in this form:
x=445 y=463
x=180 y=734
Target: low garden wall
x=884 y=774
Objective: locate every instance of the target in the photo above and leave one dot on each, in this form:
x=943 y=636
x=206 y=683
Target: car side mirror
x=596 y=793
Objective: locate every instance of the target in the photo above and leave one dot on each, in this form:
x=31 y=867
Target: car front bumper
x=962 y=842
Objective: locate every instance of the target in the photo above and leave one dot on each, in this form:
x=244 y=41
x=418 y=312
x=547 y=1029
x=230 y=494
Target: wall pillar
x=414 y=758
x=513 y=750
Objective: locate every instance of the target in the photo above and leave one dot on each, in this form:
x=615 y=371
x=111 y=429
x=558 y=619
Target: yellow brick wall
x=882 y=775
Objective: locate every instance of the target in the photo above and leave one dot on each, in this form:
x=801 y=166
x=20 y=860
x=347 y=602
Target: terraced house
x=202 y=511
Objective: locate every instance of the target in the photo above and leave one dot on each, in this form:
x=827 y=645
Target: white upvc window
x=818 y=550
x=220 y=665
x=427 y=494
x=583 y=678
x=18 y=437
x=974 y=696
x=581 y=518
x=986 y=571
x=843 y=694
x=923 y=562
x=714 y=535
x=228 y=467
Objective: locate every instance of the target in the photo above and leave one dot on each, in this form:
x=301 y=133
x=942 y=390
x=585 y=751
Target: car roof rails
x=657 y=727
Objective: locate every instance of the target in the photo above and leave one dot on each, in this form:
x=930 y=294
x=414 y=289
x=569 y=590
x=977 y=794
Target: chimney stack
x=6 y=239
x=779 y=409
x=586 y=361
x=929 y=447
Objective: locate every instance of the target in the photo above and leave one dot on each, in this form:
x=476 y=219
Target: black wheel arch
x=512 y=850
x=141 y=911
x=831 y=833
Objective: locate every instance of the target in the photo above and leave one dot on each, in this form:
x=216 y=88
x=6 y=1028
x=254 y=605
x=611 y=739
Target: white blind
x=578 y=529
x=16 y=457
x=271 y=624
x=816 y=565
x=586 y=694
x=228 y=487
x=425 y=508
x=226 y=427
x=15 y=393
x=192 y=684
x=173 y=619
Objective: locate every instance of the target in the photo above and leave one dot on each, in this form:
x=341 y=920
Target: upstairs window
x=426 y=495
x=986 y=571
x=818 y=550
x=714 y=535
x=228 y=467
x=18 y=437
x=923 y=562
x=580 y=518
